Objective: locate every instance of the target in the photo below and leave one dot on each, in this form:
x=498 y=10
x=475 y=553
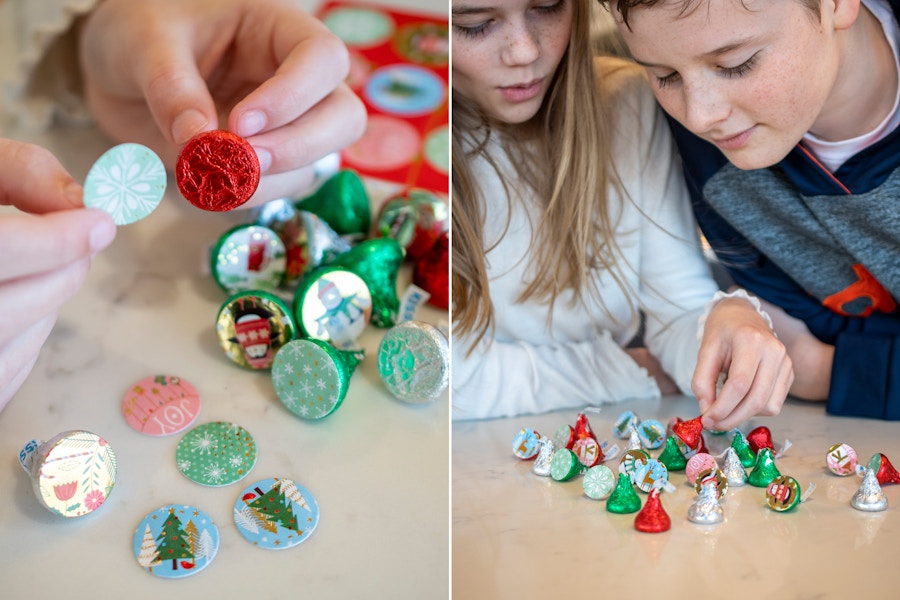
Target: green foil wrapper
x=744 y=452
x=342 y=201
x=672 y=456
x=764 y=471
x=377 y=262
x=311 y=377
x=623 y=499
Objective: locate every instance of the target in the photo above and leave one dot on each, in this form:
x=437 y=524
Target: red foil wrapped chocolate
x=653 y=518
x=217 y=171
x=432 y=273
x=759 y=438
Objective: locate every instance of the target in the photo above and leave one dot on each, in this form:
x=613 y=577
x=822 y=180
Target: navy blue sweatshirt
x=825 y=247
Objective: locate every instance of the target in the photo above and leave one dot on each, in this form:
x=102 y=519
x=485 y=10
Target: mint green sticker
x=311 y=377
x=216 y=454
x=360 y=27
x=128 y=181
x=437 y=149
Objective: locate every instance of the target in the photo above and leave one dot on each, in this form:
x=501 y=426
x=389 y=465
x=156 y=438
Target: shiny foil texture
x=217 y=171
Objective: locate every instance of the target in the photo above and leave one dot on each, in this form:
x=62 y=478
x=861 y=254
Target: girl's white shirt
x=530 y=367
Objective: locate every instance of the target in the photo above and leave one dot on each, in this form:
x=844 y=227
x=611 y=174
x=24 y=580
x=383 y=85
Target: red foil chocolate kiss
x=884 y=470
x=432 y=273
x=583 y=428
x=690 y=432
x=217 y=171
x=760 y=437
x=653 y=518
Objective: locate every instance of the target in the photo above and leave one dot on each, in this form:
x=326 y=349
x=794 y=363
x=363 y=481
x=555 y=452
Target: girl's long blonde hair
x=564 y=154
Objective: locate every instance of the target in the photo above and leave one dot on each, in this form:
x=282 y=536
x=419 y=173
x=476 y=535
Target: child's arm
x=44 y=255
x=158 y=73
x=506 y=379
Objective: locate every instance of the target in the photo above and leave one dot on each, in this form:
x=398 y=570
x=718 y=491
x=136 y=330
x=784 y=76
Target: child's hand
x=812 y=359
x=738 y=342
x=160 y=72
x=44 y=256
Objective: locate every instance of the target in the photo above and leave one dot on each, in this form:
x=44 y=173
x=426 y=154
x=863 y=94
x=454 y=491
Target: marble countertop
x=378 y=467
x=516 y=534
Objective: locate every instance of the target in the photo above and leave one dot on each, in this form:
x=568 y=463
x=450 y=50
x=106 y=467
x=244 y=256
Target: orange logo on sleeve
x=865 y=286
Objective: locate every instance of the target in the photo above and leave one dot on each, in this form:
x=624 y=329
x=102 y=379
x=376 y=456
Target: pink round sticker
x=161 y=405
x=699 y=463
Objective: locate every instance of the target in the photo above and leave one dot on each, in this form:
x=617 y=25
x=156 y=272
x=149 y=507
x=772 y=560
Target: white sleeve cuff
x=738 y=293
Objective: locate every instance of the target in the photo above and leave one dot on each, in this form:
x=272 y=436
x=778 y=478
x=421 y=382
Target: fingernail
x=74 y=193
x=102 y=234
x=265 y=159
x=187 y=125
x=251 y=123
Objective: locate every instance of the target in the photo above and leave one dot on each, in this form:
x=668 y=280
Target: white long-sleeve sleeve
x=530 y=366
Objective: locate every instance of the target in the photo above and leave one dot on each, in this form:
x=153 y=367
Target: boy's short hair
x=688 y=6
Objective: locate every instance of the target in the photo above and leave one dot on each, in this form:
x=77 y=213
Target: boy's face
x=751 y=78
x=505 y=53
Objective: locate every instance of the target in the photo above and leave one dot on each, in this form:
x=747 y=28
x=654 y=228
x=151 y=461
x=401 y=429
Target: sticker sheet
x=399 y=67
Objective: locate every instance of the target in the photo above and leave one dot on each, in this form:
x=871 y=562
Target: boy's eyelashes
x=729 y=72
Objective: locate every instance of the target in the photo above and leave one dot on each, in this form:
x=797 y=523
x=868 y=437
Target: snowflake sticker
x=216 y=454
x=128 y=181
x=311 y=377
x=276 y=513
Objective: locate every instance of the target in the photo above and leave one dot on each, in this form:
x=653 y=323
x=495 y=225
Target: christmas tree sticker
x=148 y=556
x=276 y=513
x=178 y=540
x=174 y=542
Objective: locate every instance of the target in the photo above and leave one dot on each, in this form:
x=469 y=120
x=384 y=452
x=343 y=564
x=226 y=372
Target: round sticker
x=783 y=493
x=564 y=437
x=526 y=444
x=714 y=477
x=841 y=460
x=73 y=473
x=128 y=181
x=564 y=465
x=648 y=473
x=598 y=482
x=652 y=434
x=630 y=461
x=249 y=257
x=437 y=149
x=388 y=143
x=424 y=43
x=216 y=454
x=622 y=427
x=588 y=451
x=276 y=513
x=175 y=541
x=333 y=305
x=311 y=377
x=699 y=463
x=161 y=405
x=405 y=90
x=252 y=326
x=359 y=27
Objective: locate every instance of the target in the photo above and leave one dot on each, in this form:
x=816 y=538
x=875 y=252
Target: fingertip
x=102 y=231
x=251 y=123
x=187 y=124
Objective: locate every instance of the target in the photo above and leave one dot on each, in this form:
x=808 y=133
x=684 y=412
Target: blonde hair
x=563 y=153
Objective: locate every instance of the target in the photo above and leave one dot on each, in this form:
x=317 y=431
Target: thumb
x=34 y=181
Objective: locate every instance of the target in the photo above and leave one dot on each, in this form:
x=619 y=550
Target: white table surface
x=379 y=468
x=516 y=534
